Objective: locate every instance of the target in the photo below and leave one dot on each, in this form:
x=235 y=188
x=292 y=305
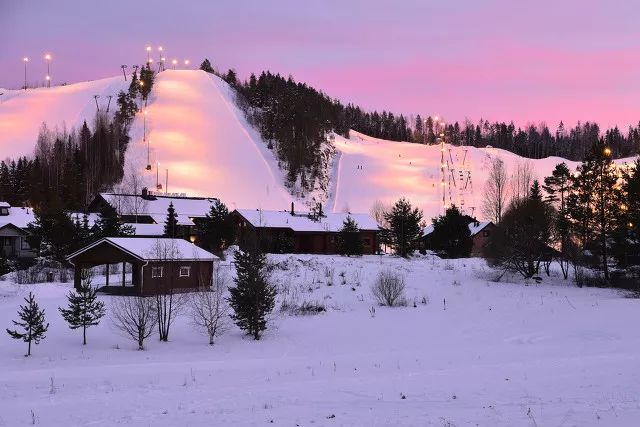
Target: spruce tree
x=534 y=191
x=216 y=230
x=404 y=227
x=171 y=223
x=626 y=248
x=253 y=297
x=206 y=66
x=110 y=225
x=451 y=235
x=84 y=309
x=348 y=241
x=32 y=324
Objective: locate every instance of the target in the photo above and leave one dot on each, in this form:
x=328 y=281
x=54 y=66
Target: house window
x=6 y=242
x=24 y=244
x=157 y=272
x=4 y=211
x=185 y=271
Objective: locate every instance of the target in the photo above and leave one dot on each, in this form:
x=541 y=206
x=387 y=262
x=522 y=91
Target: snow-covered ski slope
x=23 y=112
x=197 y=132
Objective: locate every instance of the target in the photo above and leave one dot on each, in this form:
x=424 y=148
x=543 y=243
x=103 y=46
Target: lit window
x=157 y=272
x=185 y=271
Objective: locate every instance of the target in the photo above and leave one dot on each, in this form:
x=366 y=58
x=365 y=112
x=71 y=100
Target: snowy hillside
x=197 y=132
x=23 y=112
x=497 y=354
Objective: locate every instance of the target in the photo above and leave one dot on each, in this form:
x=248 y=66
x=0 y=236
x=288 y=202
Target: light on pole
x=48 y=58
x=160 y=58
x=174 y=63
x=186 y=63
x=25 y=60
x=148 y=53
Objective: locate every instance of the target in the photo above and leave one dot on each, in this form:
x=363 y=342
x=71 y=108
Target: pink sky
x=500 y=60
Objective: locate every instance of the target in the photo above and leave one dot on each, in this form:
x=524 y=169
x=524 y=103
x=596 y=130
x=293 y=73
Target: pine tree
x=216 y=231
x=451 y=234
x=594 y=203
x=253 y=297
x=557 y=187
x=626 y=248
x=404 y=226
x=85 y=309
x=32 y=323
x=171 y=223
x=348 y=241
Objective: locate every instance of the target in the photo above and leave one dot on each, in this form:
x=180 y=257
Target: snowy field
x=498 y=354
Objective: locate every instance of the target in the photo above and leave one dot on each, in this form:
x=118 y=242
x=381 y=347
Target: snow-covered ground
x=500 y=354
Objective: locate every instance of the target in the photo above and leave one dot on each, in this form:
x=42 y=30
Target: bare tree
x=132 y=184
x=495 y=191
x=388 y=289
x=521 y=180
x=135 y=317
x=209 y=309
x=170 y=302
x=378 y=211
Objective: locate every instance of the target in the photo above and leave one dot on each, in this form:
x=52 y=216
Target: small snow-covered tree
x=32 y=324
x=404 y=227
x=253 y=297
x=135 y=317
x=85 y=310
x=209 y=308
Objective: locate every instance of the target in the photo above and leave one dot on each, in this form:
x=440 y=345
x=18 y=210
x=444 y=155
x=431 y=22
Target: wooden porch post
x=108 y=271
x=77 y=276
x=124 y=264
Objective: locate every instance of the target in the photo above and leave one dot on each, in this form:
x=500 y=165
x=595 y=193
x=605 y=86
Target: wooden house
x=299 y=232
x=13 y=232
x=156 y=265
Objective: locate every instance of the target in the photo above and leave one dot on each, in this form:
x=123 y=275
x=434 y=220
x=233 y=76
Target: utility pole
x=96 y=98
x=26 y=60
x=123 y=72
x=109 y=103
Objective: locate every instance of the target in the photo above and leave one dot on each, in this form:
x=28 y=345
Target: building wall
x=200 y=275
x=13 y=244
x=481 y=239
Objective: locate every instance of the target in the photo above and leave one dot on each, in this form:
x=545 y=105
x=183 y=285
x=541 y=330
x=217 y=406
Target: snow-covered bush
x=305 y=308
x=388 y=289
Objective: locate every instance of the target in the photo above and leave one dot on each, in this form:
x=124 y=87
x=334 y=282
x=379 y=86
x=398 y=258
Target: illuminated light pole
x=25 y=60
x=148 y=53
x=48 y=58
x=123 y=72
x=160 y=58
x=174 y=63
x=186 y=63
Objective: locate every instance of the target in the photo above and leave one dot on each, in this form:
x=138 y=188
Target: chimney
x=292 y=211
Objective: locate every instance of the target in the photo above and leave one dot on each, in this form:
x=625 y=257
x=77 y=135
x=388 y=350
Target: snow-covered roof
x=329 y=222
x=92 y=218
x=20 y=217
x=185 y=207
x=4 y=205
x=147 y=229
x=154 y=249
x=474 y=227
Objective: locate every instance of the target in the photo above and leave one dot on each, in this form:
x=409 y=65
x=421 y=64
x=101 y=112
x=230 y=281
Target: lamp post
x=123 y=72
x=25 y=60
x=148 y=53
x=48 y=58
x=186 y=63
x=160 y=58
x=174 y=63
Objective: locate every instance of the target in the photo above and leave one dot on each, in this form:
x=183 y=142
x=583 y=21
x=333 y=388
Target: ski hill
x=194 y=131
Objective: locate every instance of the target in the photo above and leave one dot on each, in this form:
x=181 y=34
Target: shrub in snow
x=306 y=308
x=32 y=326
x=388 y=289
x=135 y=317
